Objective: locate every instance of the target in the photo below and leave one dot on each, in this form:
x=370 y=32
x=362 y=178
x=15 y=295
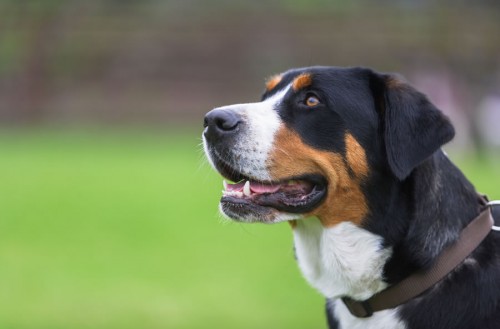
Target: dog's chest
x=344 y=260
x=340 y=260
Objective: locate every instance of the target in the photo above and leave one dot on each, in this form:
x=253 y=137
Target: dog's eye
x=312 y=100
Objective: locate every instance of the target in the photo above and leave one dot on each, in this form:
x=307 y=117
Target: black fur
x=331 y=321
x=414 y=129
x=418 y=200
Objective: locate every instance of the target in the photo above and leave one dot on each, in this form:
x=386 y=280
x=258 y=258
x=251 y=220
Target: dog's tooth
x=224 y=183
x=246 y=188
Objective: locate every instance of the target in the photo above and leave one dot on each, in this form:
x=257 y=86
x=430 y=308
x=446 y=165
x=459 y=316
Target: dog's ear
x=413 y=127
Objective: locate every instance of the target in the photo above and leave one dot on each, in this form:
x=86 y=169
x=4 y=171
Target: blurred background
x=108 y=210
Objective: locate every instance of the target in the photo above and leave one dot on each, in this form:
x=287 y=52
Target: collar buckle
x=491 y=204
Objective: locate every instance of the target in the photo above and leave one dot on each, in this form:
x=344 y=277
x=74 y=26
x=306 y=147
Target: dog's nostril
x=221 y=121
x=226 y=123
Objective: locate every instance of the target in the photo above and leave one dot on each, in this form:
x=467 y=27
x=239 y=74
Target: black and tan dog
x=352 y=159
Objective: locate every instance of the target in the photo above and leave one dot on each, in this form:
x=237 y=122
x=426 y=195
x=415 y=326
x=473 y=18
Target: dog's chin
x=251 y=213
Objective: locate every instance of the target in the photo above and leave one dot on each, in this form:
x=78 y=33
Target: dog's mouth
x=294 y=195
x=250 y=199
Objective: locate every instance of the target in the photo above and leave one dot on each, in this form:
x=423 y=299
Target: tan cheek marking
x=293 y=223
x=302 y=81
x=356 y=156
x=344 y=201
x=272 y=82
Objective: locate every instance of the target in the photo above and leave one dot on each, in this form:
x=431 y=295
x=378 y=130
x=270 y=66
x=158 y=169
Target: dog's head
x=317 y=140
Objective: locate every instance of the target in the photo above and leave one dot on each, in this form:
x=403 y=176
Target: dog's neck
x=432 y=220
x=395 y=241
x=343 y=260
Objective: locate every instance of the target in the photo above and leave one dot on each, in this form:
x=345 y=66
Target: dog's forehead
x=319 y=76
x=297 y=78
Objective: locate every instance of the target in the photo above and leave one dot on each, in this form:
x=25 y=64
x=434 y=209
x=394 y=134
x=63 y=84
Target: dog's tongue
x=254 y=187
x=238 y=187
x=264 y=188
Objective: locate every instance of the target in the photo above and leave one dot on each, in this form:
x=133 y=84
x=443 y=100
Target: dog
x=351 y=158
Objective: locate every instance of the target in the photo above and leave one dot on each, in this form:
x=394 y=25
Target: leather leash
x=452 y=256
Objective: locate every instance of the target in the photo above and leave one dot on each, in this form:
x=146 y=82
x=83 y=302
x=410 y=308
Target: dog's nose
x=221 y=123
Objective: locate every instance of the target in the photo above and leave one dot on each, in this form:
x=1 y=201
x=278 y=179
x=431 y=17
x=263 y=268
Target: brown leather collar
x=470 y=237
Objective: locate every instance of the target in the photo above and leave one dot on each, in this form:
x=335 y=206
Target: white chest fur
x=344 y=260
x=340 y=260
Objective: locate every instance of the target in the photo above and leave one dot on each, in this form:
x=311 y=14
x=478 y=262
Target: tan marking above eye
x=273 y=81
x=345 y=200
x=301 y=81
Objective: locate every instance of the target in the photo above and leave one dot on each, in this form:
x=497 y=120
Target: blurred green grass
x=119 y=229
